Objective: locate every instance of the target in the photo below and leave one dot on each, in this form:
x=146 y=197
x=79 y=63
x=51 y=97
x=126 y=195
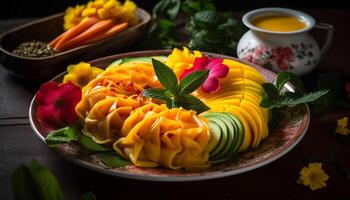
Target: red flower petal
x=56 y=103
x=49 y=115
x=47 y=93
x=200 y=63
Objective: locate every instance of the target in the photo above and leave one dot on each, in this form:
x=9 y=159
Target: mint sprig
x=276 y=98
x=177 y=94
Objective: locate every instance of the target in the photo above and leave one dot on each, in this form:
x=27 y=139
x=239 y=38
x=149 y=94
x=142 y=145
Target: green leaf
x=88 y=196
x=192 y=81
x=92 y=146
x=306 y=98
x=193 y=6
x=154 y=93
x=63 y=135
x=112 y=160
x=284 y=77
x=268 y=103
x=165 y=27
x=274 y=115
x=271 y=91
x=45 y=182
x=191 y=103
x=165 y=75
x=22 y=184
x=166 y=9
x=208 y=19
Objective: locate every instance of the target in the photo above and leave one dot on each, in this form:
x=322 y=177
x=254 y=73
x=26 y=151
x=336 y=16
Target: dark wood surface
x=18 y=144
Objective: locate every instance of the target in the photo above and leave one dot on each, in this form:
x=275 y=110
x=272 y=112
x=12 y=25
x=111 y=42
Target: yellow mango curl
x=103 y=9
x=173 y=138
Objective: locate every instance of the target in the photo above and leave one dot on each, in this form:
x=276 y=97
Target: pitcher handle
x=329 y=37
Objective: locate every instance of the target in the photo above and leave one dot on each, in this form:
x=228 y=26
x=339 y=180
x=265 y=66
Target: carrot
x=91 y=32
x=54 y=41
x=76 y=30
x=112 y=31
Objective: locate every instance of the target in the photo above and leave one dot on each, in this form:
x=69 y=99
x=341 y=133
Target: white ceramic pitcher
x=295 y=51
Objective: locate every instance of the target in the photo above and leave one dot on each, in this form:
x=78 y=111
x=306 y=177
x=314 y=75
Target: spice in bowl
x=35 y=49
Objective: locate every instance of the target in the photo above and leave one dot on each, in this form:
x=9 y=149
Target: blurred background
x=40 y=8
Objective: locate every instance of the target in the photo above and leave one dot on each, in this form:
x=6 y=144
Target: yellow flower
x=128 y=14
x=342 y=125
x=73 y=16
x=181 y=60
x=80 y=74
x=313 y=176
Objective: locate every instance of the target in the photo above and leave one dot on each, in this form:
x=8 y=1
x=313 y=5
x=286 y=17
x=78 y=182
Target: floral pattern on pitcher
x=279 y=56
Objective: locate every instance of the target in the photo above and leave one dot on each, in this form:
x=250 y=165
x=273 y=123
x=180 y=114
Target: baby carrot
x=76 y=30
x=91 y=32
x=112 y=31
x=54 y=41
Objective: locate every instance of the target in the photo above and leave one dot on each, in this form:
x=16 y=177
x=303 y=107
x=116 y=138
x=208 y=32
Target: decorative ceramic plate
x=291 y=129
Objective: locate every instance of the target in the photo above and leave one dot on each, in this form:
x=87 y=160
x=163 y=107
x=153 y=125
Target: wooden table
x=18 y=144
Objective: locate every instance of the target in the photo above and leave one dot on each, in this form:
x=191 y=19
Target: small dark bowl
x=47 y=29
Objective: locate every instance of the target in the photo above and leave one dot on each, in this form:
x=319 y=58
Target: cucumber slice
x=215 y=136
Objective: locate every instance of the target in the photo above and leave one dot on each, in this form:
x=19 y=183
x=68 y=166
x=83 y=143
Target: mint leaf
x=274 y=115
x=192 y=81
x=45 y=182
x=63 y=135
x=166 y=8
x=268 y=103
x=192 y=103
x=309 y=97
x=22 y=184
x=92 y=146
x=88 y=196
x=154 y=93
x=165 y=75
x=112 y=160
x=284 y=77
x=271 y=91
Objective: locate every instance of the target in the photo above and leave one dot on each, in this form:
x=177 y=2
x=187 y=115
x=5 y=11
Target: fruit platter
x=164 y=115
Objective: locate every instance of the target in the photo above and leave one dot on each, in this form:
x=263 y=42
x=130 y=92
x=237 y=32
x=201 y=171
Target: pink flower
x=216 y=70
x=56 y=103
x=282 y=56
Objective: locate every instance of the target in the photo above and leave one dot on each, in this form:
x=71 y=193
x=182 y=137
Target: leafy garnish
x=193 y=81
x=112 y=160
x=177 y=95
x=165 y=75
x=68 y=134
x=277 y=98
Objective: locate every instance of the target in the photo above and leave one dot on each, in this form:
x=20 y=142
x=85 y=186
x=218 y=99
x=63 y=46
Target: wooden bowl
x=47 y=29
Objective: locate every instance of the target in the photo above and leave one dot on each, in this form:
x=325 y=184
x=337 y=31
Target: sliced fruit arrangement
x=240 y=95
x=227 y=135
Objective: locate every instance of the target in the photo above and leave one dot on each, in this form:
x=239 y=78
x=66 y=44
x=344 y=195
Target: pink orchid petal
x=214 y=62
x=210 y=85
x=219 y=71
